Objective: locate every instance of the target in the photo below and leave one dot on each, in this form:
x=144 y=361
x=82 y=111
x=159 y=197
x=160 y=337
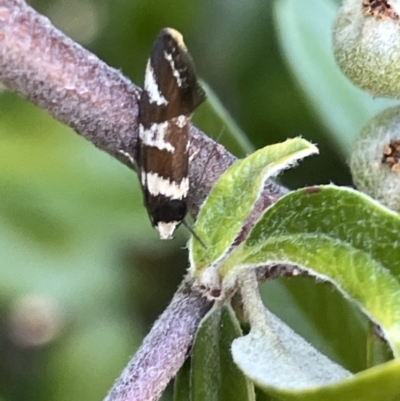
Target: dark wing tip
x=198 y=96
x=169 y=43
x=168 y=39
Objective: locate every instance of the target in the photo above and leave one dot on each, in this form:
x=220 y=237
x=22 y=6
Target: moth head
x=175 y=35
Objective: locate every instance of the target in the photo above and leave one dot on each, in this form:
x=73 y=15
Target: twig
x=43 y=65
x=163 y=350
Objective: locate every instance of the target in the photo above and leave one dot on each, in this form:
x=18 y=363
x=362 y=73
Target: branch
x=43 y=65
x=163 y=351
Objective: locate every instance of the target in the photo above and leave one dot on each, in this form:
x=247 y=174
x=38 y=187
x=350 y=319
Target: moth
x=171 y=94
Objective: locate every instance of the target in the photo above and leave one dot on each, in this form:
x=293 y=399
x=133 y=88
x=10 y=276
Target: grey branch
x=43 y=65
x=160 y=356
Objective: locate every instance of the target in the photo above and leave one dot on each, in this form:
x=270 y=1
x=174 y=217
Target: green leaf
x=283 y=369
x=321 y=315
x=275 y=356
x=337 y=235
x=341 y=213
x=378 y=350
x=304 y=30
x=215 y=377
x=232 y=198
x=213 y=118
x=343 y=237
x=182 y=382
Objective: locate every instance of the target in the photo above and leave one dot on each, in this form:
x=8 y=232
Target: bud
x=375 y=159
x=366 y=42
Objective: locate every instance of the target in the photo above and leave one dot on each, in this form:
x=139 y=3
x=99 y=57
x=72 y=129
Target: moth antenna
x=184 y=222
x=190 y=229
x=210 y=155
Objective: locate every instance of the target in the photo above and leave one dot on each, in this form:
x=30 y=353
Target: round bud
x=366 y=43
x=375 y=159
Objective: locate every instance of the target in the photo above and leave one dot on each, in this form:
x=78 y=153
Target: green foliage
x=210 y=373
x=340 y=249
x=375 y=384
x=334 y=234
x=232 y=198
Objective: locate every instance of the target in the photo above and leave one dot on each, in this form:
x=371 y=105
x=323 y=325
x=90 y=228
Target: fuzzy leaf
x=278 y=356
x=214 y=376
x=233 y=196
x=182 y=382
x=337 y=235
x=288 y=368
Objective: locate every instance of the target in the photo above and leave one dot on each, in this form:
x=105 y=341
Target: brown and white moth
x=171 y=93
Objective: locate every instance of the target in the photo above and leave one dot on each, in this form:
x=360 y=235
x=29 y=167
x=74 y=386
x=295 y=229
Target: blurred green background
x=82 y=274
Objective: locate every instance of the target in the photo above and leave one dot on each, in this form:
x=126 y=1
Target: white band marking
x=157 y=185
x=155 y=136
x=175 y=72
x=180 y=121
x=151 y=87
